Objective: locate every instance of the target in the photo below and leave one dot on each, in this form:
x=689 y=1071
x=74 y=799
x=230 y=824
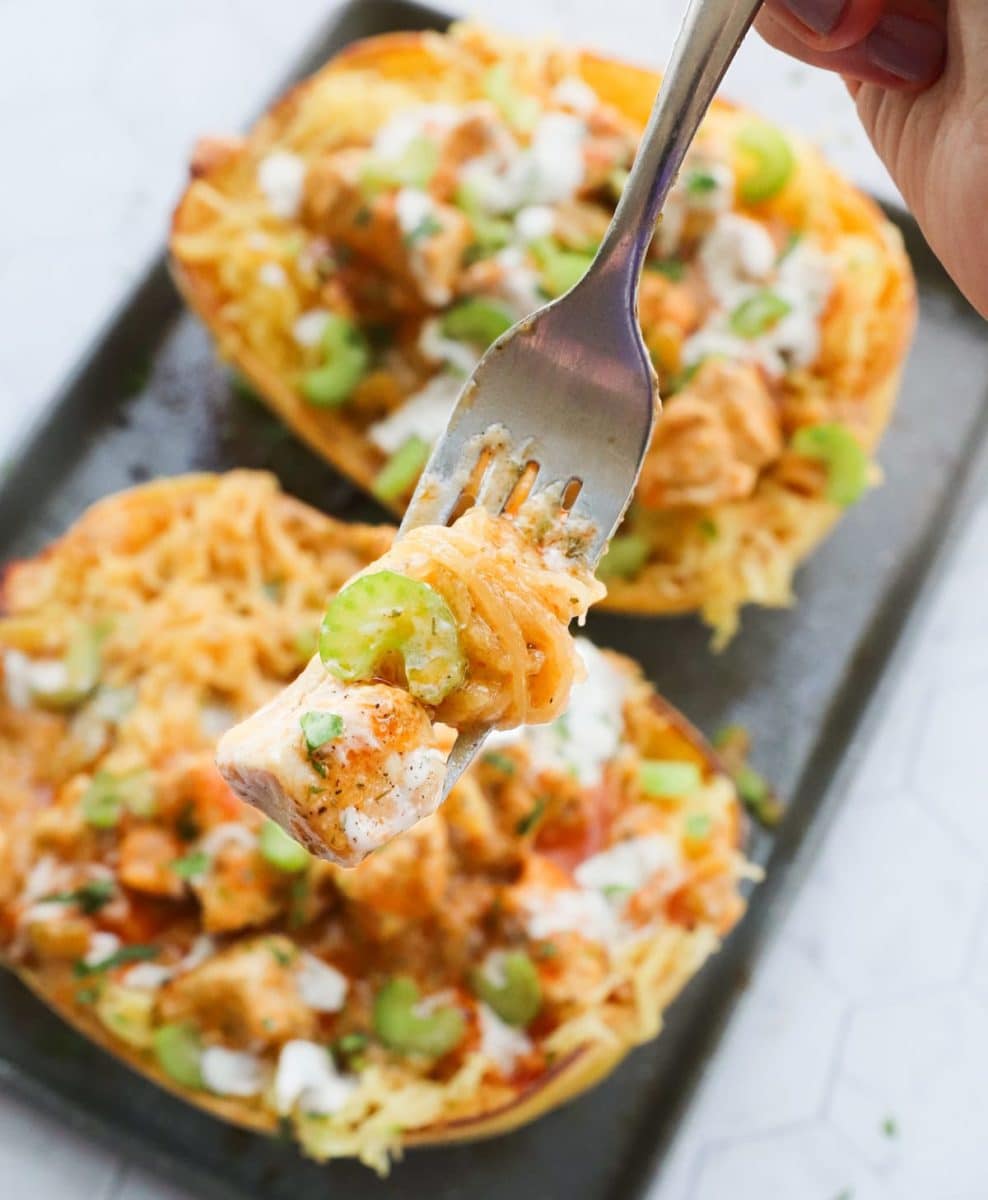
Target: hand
x=917 y=72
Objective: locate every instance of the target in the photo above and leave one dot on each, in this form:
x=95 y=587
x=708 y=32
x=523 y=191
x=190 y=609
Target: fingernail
x=911 y=50
x=822 y=16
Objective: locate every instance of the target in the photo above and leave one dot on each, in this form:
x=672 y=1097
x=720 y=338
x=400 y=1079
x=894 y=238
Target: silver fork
x=571 y=387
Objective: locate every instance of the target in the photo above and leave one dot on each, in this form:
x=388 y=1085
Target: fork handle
x=708 y=39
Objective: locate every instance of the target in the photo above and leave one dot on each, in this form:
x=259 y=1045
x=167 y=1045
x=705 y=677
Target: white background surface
x=872 y=1003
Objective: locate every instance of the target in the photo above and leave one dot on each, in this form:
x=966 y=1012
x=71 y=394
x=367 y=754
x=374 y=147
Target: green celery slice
x=666 y=777
x=517 y=997
x=405 y=1031
x=842 y=454
x=398 y=475
x=346 y=358
x=768 y=158
x=383 y=614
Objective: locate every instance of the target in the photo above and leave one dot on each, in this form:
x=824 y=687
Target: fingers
x=894 y=43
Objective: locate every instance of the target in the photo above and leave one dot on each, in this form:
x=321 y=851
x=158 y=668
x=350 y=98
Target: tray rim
x=797 y=844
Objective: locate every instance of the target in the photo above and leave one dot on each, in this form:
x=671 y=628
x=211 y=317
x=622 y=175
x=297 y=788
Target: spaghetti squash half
x=485 y=967
x=393 y=214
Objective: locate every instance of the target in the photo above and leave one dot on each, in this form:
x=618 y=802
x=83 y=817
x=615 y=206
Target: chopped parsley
x=546 y=950
x=701 y=183
x=708 y=527
x=531 y=819
x=90 y=897
x=119 y=958
x=890 y=1127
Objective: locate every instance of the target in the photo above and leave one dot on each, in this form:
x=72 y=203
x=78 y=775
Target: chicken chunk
x=239 y=890
x=712 y=439
x=247 y=996
x=406 y=234
x=147 y=856
x=375 y=778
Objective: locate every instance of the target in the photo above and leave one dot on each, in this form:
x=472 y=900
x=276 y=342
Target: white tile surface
x=873 y=1000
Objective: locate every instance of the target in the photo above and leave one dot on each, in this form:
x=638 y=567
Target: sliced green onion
x=530 y=820
x=402 y=1029
x=281 y=850
x=119 y=958
x=625 y=557
x=759 y=313
x=127 y=1013
x=767 y=159
x=476 y=320
x=519 y=110
x=108 y=796
x=701 y=183
x=698 y=826
x=516 y=996
x=414 y=167
x=346 y=358
x=384 y=614
x=319 y=728
x=663 y=777
x=89 y=898
x=83 y=662
x=560 y=269
x=178 y=1050
x=398 y=475
x=192 y=866
x=843 y=455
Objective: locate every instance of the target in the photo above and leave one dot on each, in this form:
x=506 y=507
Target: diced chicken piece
x=64 y=937
x=406 y=234
x=401 y=885
x=712 y=439
x=375 y=778
x=211 y=153
x=147 y=855
x=239 y=891
x=247 y=995
x=479 y=132
x=580 y=224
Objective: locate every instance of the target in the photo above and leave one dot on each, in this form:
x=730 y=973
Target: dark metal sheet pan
x=150 y=399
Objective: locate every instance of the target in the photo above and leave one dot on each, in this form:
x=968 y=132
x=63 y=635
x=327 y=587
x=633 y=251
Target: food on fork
x=391 y=216
x=453 y=629
x=496 y=960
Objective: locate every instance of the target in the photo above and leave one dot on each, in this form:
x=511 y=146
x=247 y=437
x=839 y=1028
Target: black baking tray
x=150 y=399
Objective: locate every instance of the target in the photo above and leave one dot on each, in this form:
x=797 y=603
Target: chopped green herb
x=665 y=777
x=671 y=268
x=842 y=454
x=281 y=850
x=890 y=1127
x=426 y=228
x=350 y=1044
x=192 y=865
x=708 y=527
x=319 y=728
x=758 y=314
x=531 y=819
x=500 y=762
x=546 y=950
x=510 y=986
x=518 y=110
x=701 y=183
x=625 y=557
x=274 y=589
x=119 y=958
x=398 y=475
x=698 y=826
x=90 y=897
x=346 y=358
x=87 y=995
x=108 y=796
x=683 y=378
x=792 y=241
x=298 y=894
x=362 y=216
x=615 y=891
